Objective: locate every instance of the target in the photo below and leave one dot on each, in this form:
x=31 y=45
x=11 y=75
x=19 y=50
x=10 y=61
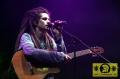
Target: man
x=41 y=44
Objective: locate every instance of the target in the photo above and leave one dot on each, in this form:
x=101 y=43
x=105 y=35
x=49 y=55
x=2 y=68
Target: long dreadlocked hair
x=27 y=24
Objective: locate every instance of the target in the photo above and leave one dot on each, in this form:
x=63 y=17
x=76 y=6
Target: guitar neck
x=79 y=53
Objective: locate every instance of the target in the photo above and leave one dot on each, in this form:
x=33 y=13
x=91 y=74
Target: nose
x=48 y=21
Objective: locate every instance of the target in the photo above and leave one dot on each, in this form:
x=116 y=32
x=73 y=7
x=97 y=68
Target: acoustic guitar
x=22 y=68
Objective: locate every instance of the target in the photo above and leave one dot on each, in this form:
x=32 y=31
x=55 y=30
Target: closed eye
x=44 y=18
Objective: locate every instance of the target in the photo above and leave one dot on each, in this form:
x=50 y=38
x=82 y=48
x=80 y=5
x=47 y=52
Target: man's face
x=44 y=20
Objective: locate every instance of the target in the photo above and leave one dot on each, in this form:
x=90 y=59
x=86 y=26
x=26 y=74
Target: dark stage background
x=96 y=22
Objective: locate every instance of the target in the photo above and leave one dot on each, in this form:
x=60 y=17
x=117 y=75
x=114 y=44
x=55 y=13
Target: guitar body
x=23 y=68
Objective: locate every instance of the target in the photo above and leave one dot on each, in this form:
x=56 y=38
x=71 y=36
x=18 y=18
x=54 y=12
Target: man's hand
x=67 y=57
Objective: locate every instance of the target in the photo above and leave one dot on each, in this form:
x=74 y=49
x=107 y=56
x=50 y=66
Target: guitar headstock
x=96 y=49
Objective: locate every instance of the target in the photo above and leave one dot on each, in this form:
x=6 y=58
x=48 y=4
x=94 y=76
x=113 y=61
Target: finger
x=68 y=57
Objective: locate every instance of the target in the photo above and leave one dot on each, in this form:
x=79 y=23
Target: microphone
x=58 y=24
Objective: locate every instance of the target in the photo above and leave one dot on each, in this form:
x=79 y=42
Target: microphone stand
x=73 y=36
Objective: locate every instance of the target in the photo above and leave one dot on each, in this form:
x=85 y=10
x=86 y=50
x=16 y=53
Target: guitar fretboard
x=79 y=53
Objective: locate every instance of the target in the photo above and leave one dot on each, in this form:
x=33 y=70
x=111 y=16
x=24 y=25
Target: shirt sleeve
x=26 y=44
x=29 y=49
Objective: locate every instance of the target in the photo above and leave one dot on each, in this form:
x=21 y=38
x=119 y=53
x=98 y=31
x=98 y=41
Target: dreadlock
x=27 y=24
